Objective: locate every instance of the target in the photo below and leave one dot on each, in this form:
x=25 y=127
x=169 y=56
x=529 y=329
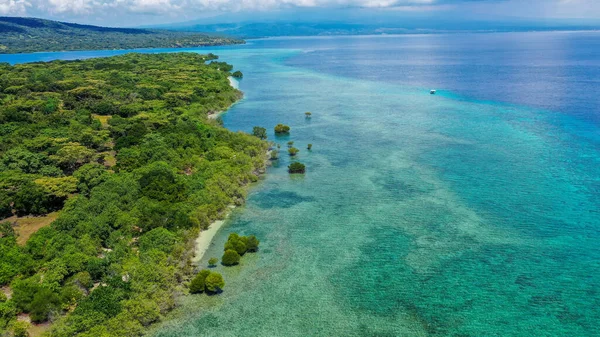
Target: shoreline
x=205 y=237
x=236 y=85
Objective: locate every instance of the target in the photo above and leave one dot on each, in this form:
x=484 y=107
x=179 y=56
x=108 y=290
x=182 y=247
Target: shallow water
x=473 y=212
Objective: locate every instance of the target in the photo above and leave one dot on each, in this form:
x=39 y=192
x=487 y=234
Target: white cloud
x=69 y=6
x=152 y=6
x=164 y=6
x=13 y=6
x=112 y=10
x=573 y=9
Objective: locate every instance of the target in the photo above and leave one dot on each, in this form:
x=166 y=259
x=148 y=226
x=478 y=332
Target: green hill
x=24 y=35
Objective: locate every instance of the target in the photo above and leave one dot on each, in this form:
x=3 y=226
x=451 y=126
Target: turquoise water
x=468 y=213
x=419 y=215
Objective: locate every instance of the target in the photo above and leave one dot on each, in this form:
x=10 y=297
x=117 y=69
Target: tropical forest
x=121 y=158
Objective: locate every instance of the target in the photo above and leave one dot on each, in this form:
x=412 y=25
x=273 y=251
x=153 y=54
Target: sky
x=149 y=12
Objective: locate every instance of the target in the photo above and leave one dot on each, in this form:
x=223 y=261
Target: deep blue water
x=473 y=212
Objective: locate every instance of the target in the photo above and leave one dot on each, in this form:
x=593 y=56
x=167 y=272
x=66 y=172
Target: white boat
x=432 y=92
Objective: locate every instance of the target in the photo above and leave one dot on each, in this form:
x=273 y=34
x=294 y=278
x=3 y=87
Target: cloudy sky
x=145 y=12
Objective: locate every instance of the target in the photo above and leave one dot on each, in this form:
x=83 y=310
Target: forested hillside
x=25 y=35
x=123 y=149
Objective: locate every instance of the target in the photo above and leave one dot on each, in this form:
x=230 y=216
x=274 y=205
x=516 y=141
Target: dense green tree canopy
x=259 y=132
x=212 y=261
x=122 y=146
x=236 y=246
x=214 y=282
x=293 y=151
x=282 y=129
x=252 y=243
x=198 y=283
x=230 y=258
x=296 y=167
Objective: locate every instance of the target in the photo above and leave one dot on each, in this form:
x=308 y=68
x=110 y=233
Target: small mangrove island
x=282 y=129
x=236 y=246
x=296 y=167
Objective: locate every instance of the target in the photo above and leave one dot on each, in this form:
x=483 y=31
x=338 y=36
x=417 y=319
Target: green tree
x=14 y=260
x=70 y=294
x=83 y=279
x=43 y=303
x=309 y=147
x=60 y=187
x=259 y=132
x=23 y=160
x=296 y=167
x=237 y=243
x=20 y=329
x=293 y=151
x=6 y=230
x=90 y=176
x=5 y=205
x=212 y=261
x=214 y=282
x=159 y=181
x=73 y=155
x=198 y=282
x=290 y=143
x=24 y=292
x=282 y=129
x=33 y=199
x=106 y=300
x=145 y=311
x=158 y=238
x=230 y=258
x=7 y=313
x=237 y=74
x=252 y=243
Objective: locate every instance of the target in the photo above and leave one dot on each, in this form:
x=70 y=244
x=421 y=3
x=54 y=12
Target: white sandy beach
x=233 y=83
x=205 y=238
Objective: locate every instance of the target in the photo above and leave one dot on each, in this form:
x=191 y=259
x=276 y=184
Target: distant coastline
x=415 y=33
x=257 y=30
x=28 y=35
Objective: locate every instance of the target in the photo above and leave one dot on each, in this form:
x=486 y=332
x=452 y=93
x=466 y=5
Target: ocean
x=471 y=212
